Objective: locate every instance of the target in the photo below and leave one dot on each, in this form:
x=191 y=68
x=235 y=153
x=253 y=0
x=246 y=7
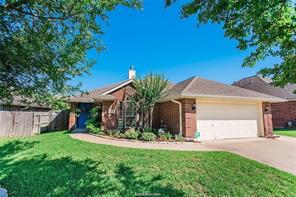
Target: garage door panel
x=218 y=121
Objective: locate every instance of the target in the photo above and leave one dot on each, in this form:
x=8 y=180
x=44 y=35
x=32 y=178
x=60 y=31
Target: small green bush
x=149 y=130
x=121 y=135
x=93 y=124
x=93 y=129
x=148 y=136
x=132 y=134
x=114 y=132
x=146 y=130
x=179 y=138
x=165 y=136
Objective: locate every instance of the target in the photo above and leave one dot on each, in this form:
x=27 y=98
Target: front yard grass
x=285 y=132
x=54 y=164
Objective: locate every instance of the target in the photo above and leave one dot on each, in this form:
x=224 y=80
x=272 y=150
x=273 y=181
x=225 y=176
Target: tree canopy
x=43 y=44
x=268 y=28
x=149 y=90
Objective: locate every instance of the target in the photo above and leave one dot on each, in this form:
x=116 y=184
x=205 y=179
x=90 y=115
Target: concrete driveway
x=279 y=153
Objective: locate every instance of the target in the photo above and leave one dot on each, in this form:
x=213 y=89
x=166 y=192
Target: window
x=127 y=114
x=120 y=115
x=130 y=114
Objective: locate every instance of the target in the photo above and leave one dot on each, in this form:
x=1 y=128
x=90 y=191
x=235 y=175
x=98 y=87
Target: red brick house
x=282 y=112
x=213 y=109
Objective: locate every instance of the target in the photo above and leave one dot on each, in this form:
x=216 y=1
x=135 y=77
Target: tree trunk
x=151 y=117
x=138 y=116
x=143 y=118
x=147 y=118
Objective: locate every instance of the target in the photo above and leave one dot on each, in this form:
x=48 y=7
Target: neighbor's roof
x=265 y=85
x=198 y=87
x=86 y=99
x=98 y=94
x=25 y=102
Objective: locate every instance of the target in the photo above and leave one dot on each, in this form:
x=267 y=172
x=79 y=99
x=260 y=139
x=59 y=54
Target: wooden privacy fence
x=19 y=123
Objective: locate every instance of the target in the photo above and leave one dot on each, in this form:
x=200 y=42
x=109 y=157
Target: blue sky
x=157 y=40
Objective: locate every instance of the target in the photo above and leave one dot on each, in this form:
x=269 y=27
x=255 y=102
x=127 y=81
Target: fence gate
x=41 y=121
x=22 y=123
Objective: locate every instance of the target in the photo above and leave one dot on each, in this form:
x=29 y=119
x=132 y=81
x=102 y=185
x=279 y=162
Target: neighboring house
x=19 y=105
x=282 y=112
x=214 y=109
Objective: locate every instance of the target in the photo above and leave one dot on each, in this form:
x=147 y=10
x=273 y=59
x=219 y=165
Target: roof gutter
x=271 y=100
x=180 y=115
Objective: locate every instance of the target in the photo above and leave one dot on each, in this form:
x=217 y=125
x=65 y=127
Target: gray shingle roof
x=194 y=86
x=265 y=85
x=199 y=87
x=96 y=94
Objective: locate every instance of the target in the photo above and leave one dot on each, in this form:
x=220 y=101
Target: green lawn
x=285 y=132
x=56 y=165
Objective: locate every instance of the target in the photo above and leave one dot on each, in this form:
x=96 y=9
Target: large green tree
x=43 y=44
x=267 y=27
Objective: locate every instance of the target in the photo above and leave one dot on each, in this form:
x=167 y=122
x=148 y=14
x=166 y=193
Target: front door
x=83 y=114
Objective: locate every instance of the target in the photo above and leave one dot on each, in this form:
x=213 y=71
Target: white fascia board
x=272 y=100
x=117 y=87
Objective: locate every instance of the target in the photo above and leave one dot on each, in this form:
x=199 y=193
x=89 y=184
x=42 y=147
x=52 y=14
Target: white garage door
x=220 y=121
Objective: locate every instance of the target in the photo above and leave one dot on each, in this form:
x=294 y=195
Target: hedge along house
x=196 y=105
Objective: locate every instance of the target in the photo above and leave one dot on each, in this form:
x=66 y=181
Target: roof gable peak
x=119 y=86
x=192 y=80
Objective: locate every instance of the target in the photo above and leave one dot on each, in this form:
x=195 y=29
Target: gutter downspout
x=180 y=115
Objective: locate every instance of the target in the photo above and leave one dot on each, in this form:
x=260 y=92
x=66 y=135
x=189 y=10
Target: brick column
x=188 y=118
x=267 y=120
x=167 y=116
x=72 y=117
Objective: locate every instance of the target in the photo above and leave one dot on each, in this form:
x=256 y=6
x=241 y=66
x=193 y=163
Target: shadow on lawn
x=14 y=147
x=136 y=185
x=41 y=175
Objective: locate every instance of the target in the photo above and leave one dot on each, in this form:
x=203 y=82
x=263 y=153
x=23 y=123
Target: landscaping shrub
x=179 y=138
x=121 y=135
x=132 y=134
x=149 y=130
x=146 y=130
x=93 y=124
x=113 y=132
x=148 y=136
x=165 y=136
x=93 y=129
